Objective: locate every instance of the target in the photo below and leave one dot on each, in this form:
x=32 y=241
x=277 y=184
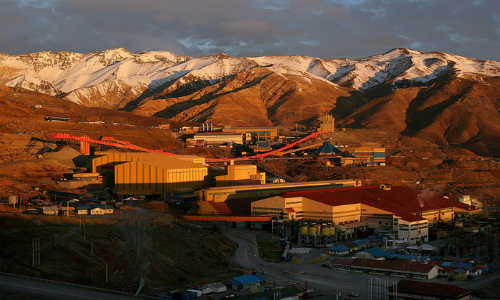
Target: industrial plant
x=350 y=224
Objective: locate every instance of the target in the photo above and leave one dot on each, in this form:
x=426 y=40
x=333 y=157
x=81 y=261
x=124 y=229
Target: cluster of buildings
x=173 y=178
x=338 y=209
x=400 y=212
x=215 y=135
x=378 y=261
x=84 y=209
x=315 y=213
x=249 y=286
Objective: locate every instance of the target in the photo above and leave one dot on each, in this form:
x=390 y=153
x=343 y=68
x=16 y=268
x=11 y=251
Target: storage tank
x=313 y=230
x=12 y=199
x=304 y=230
x=325 y=230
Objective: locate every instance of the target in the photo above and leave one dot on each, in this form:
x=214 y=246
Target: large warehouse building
x=218 y=138
x=402 y=211
x=151 y=173
x=255 y=132
x=213 y=200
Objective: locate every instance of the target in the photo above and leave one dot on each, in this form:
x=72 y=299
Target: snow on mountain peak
x=67 y=71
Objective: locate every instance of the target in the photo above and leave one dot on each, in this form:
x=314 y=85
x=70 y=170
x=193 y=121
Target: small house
x=476 y=271
x=97 y=211
x=458 y=274
x=339 y=250
x=244 y=282
x=50 y=210
x=217 y=287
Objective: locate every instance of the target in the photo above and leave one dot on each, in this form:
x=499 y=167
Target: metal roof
x=428 y=288
x=399 y=266
x=401 y=201
x=339 y=248
x=363 y=241
x=247 y=279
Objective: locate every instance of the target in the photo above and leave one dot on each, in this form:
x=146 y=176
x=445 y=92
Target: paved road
x=21 y=288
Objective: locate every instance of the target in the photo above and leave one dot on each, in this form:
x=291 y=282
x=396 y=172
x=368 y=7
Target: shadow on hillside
x=347 y=107
x=417 y=120
x=192 y=88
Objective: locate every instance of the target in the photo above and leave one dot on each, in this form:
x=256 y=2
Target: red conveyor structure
x=86 y=141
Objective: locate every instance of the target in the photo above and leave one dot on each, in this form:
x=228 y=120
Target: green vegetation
x=270 y=248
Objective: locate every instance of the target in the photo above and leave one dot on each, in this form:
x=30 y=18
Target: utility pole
x=35 y=251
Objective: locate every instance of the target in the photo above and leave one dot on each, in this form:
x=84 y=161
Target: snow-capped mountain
x=117 y=70
x=402 y=90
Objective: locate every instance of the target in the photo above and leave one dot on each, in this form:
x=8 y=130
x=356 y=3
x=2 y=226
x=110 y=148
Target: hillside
x=166 y=251
x=438 y=97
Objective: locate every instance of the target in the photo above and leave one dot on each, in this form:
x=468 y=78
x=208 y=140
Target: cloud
x=319 y=28
x=245 y=27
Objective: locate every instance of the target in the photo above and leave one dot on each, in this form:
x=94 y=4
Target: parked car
x=353 y=295
x=118 y=212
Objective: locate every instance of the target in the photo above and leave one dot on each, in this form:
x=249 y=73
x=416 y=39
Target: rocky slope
x=439 y=97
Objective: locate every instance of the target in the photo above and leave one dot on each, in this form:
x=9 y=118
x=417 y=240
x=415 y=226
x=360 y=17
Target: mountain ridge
x=426 y=95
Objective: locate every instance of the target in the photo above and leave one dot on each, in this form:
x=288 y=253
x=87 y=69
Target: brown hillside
x=166 y=251
x=457 y=112
x=254 y=97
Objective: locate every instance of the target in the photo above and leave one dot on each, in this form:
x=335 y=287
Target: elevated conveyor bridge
x=85 y=142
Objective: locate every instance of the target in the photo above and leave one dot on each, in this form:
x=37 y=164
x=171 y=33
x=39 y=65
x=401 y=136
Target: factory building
x=373 y=156
x=219 y=138
x=403 y=212
x=241 y=175
x=221 y=194
x=328 y=124
x=213 y=200
x=255 y=132
x=151 y=173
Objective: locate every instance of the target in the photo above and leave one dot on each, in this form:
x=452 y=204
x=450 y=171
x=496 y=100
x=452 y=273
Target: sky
x=319 y=28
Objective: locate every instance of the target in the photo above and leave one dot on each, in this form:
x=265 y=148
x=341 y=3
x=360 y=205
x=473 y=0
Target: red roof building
x=385 y=267
x=409 y=289
x=406 y=212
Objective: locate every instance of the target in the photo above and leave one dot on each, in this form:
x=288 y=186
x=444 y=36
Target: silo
x=304 y=230
x=332 y=230
x=325 y=230
x=313 y=229
x=12 y=199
